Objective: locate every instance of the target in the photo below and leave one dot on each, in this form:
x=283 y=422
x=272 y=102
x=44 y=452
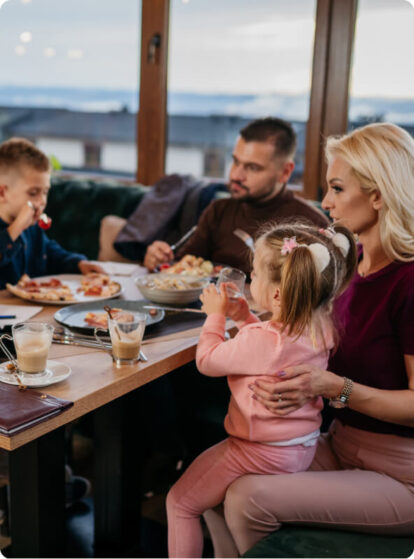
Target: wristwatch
x=341 y=401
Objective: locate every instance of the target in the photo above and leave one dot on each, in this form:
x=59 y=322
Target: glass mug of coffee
x=126 y=331
x=32 y=341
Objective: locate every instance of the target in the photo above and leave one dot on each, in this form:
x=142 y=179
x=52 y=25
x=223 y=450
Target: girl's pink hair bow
x=289 y=243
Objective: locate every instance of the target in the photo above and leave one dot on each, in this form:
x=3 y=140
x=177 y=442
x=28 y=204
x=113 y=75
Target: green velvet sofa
x=298 y=541
x=78 y=205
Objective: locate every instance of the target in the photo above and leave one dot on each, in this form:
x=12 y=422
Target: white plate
x=73 y=281
x=56 y=371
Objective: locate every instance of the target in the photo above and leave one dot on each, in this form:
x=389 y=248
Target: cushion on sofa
x=298 y=541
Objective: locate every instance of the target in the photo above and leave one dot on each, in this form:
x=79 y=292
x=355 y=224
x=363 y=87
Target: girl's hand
x=296 y=386
x=214 y=301
x=238 y=309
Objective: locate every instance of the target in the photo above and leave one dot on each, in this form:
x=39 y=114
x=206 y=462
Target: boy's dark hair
x=18 y=152
x=271 y=129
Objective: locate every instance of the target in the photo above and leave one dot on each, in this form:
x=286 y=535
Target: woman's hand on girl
x=297 y=386
x=214 y=301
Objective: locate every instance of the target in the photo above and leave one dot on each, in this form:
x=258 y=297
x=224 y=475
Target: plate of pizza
x=87 y=316
x=66 y=289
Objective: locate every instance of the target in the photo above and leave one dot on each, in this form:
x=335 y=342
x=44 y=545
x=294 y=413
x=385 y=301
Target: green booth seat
x=298 y=541
x=77 y=206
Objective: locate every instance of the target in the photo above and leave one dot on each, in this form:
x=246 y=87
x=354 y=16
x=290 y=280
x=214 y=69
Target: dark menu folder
x=21 y=409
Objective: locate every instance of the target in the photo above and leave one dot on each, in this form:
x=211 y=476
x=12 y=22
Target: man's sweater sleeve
x=250 y=352
x=200 y=243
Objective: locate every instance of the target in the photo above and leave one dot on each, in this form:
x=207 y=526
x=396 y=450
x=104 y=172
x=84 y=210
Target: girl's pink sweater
x=259 y=351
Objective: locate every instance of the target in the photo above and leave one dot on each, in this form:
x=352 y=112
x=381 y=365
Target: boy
x=24 y=247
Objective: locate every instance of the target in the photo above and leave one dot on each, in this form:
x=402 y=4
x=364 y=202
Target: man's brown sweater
x=214 y=239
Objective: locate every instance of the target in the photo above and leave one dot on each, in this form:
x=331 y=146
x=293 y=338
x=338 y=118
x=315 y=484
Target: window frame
x=329 y=96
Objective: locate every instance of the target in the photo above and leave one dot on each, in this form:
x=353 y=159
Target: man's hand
x=85 y=267
x=25 y=218
x=213 y=301
x=157 y=253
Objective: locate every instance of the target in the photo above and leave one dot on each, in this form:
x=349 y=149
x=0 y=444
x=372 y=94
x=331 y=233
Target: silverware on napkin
x=85 y=341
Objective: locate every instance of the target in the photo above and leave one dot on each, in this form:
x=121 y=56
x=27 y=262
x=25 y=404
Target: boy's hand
x=86 y=267
x=213 y=301
x=24 y=219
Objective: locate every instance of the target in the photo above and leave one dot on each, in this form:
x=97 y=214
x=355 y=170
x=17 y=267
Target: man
x=262 y=165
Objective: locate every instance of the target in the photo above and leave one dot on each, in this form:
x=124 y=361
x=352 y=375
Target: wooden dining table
x=37 y=454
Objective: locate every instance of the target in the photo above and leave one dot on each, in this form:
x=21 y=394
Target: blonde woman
x=362 y=476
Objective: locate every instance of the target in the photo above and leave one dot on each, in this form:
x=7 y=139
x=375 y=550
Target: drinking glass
x=126 y=332
x=233 y=280
x=32 y=341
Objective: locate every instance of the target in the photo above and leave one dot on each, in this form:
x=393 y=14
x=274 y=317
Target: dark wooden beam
x=328 y=111
x=152 y=114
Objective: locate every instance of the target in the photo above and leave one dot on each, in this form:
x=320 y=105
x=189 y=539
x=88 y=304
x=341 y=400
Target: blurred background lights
x=20 y=50
x=49 y=52
x=75 y=54
x=25 y=37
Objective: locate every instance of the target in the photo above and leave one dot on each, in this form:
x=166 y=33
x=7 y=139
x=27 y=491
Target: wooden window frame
x=328 y=110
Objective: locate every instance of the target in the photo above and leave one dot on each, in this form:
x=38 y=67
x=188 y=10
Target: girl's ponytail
x=299 y=290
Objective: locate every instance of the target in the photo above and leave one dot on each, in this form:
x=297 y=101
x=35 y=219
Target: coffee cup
x=32 y=341
x=126 y=332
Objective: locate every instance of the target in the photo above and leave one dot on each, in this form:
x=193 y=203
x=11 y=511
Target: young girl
x=297 y=272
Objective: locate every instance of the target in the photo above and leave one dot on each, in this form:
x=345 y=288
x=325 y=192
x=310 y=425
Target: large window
x=69 y=80
x=382 y=80
x=230 y=62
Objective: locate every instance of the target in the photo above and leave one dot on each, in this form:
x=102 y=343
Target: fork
x=245 y=237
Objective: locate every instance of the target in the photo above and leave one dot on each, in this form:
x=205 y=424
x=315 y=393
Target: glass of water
x=233 y=280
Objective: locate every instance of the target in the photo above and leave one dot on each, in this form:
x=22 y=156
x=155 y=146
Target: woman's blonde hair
x=304 y=290
x=381 y=156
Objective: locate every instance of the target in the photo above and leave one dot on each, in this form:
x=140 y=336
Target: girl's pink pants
x=203 y=485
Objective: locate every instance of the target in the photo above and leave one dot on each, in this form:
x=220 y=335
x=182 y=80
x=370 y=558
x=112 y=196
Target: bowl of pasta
x=171 y=289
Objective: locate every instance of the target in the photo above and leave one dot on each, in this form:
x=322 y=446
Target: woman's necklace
x=374 y=268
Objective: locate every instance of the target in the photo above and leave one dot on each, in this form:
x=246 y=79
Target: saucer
x=55 y=372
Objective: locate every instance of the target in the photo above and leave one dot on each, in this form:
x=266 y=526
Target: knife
x=183 y=239
x=176 y=309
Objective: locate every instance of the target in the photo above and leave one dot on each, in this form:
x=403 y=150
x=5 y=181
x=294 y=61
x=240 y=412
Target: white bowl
x=159 y=288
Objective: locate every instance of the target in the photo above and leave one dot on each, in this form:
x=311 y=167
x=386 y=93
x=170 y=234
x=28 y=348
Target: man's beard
x=248 y=197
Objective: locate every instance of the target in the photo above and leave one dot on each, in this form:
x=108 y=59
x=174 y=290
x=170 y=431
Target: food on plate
x=98 y=285
x=44 y=221
x=166 y=283
x=53 y=289
x=191 y=265
x=43 y=290
x=153 y=312
x=100 y=319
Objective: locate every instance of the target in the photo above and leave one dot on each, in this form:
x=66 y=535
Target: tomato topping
x=94 y=290
x=165 y=266
x=44 y=222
